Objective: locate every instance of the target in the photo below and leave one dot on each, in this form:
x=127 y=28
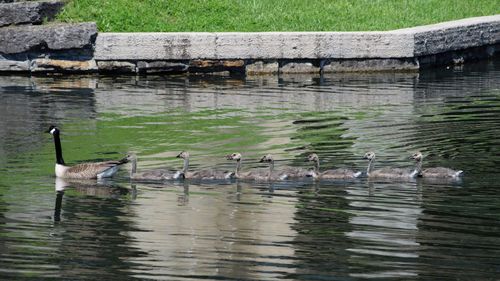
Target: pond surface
x=239 y=230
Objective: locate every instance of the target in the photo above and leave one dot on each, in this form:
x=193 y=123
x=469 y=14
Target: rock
x=52 y=65
x=28 y=12
x=21 y=39
x=116 y=66
x=367 y=65
x=216 y=66
x=299 y=67
x=260 y=67
x=161 y=67
x=14 y=65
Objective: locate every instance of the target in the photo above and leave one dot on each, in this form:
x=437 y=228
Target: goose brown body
x=89 y=170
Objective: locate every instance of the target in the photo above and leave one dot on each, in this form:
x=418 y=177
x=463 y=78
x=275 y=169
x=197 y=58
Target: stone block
x=14 y=65
x=161 y=67
x=19 y=39
x=51 y=65
x=261 y=67
x=368 y=65
x=216 y=66
x=116 y=66
x=299 y=67
x=29 y=12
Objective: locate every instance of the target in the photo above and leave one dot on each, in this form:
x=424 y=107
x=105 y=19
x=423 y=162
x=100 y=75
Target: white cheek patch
x=52 y=131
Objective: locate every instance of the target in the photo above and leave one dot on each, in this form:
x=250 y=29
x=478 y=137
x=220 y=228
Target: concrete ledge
x=259 y=45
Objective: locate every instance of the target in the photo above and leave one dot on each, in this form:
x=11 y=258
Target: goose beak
x=229 y=157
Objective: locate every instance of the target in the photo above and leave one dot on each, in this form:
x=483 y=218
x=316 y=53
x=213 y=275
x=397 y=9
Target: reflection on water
x=237 y=230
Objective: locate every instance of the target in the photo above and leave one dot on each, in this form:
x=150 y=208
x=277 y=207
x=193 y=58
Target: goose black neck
x=57 y=143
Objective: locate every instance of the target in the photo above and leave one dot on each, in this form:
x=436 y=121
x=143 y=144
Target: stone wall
x=28 y=46
x=78 y=47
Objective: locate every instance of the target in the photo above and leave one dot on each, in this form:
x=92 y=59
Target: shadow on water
x=239 y=230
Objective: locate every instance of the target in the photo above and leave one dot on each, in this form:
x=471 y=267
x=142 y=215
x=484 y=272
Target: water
x=114 y=230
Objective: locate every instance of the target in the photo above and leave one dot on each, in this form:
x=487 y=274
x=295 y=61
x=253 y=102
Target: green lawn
x=271 y=15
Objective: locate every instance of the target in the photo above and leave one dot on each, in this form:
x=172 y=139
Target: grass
x=270 y=15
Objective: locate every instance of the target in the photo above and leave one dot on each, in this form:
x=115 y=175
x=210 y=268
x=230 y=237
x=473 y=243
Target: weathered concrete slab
x=154 y=46
x=253 y=45
x=19 y=39
x=28 y=12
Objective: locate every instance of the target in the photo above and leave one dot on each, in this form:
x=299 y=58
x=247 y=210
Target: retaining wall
x=30 y=50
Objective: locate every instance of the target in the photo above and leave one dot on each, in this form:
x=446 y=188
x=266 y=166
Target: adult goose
x=95 y=170
x=386 y=173
x=330 y=174
x=436 y=172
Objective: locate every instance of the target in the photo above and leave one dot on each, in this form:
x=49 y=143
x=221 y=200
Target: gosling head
x=183 y=155
x=53 y=130
x=267 y=158
x=313 y=157
x=370 y=155
x=234 y=156
x=417 y=156
x=131 y=156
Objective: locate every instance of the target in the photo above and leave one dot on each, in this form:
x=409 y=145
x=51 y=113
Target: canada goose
x=237 y=157
x=206 y=174
x=437 y=172
x=252 y=175
x=282 y=175
x=95 y=170
x=153 y=175
x=269 y=176
x=386 y=173
x=330 y=174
